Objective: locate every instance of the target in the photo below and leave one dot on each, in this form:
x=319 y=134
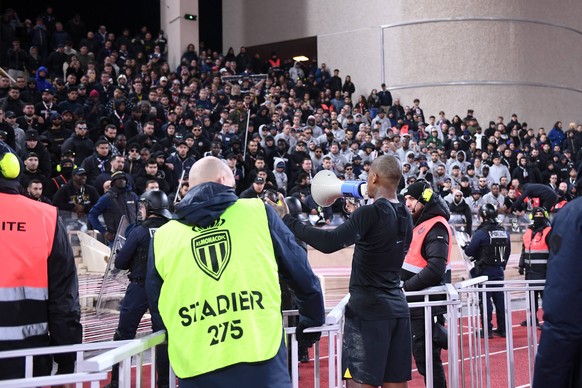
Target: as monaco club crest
x=212 y=252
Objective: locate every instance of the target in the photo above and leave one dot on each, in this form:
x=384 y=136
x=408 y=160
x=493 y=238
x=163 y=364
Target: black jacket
x=434 y=250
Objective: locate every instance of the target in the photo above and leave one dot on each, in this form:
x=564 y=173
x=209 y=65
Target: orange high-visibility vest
x=535 y=247
x=414 y=262
x=27 y=232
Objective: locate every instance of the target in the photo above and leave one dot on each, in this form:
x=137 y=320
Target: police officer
x=133 y=257
x=535 y=252
x=490 y=248
x=426 y=265
x=213 y=277
x=38 y=283
x=558 y=357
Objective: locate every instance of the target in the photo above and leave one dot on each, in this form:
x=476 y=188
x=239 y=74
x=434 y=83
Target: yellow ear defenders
x=9 y=165
x=427 y=193
x=537 y=210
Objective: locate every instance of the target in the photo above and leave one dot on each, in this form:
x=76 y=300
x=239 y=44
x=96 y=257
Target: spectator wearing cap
x=98 y=162
x=93 y=110
x=11 y=125
x=76 y=195
x=368 y=152
x=119 y=201
x=475 y=201
x=79 y=143
x=133 y=163
x=280 y=175
x=296 y=158
x=164 y=171
x=424 y=172
x=256 y=189
x=33 y=144
x=232 y=163
x=281 y=152
x=57 y=134
x=31 y=170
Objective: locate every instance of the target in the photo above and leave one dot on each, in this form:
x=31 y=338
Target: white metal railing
x=476 y=354
x=79 y=378
x=468 y=355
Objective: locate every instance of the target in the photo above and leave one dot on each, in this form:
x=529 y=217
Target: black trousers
x=418 y=351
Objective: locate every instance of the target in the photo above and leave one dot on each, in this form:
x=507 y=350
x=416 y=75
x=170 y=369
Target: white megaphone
x=326 y=188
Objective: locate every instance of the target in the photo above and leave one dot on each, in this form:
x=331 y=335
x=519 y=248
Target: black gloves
x=521 y=270
x=306 y=339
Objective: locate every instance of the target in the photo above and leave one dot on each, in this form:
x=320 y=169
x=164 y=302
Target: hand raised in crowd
x=280 y=207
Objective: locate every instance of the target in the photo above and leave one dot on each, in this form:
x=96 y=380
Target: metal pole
x=247 y=133
x=179 y=185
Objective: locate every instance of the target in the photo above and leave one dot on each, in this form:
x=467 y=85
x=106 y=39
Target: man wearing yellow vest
x=427 y=265
x=376 y=348
x=535 y=252
x=39 y=295
x=213 y=280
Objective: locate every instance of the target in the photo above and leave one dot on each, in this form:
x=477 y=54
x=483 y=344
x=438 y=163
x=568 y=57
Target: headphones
x=427 y=192
x=543 y=210
x=9 y=162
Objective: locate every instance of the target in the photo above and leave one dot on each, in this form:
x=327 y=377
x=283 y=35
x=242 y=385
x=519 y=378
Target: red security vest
x=535 y=247
x=27 y=232
x=414 y=262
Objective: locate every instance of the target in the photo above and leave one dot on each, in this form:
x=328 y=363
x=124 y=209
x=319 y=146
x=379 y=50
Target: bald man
x=377 y=315
x=213 y=279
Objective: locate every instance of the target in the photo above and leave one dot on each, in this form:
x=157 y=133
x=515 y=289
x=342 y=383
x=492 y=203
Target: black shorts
x=377 y=352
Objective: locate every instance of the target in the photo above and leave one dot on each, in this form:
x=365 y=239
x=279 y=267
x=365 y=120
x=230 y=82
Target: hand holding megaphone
x=326 y=188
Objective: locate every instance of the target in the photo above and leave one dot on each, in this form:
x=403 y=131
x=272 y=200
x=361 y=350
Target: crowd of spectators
x=85 y=104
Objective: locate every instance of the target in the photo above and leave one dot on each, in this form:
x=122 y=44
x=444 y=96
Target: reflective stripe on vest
x=19 y=333
x=220 y=299
x=27 y=232
x=414 y=262
x=21 y=293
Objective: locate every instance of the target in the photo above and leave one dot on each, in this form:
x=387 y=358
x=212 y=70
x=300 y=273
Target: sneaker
x=304 y=359
x=524 y=323
x=498 y=333
x=482 y=334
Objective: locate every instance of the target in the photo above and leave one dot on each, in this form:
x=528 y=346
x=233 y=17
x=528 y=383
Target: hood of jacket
x=42 y=68
x=435 y=207
x=204 y=204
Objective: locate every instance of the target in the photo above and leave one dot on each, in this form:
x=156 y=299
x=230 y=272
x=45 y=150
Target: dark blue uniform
x=490 y=247
x=133 y=257
x=558 y=361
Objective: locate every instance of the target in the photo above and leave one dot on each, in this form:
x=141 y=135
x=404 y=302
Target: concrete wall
x=497 y=57
x=180 y=32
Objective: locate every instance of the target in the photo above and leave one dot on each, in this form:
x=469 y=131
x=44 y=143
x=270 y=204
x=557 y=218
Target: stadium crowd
x=80 y=105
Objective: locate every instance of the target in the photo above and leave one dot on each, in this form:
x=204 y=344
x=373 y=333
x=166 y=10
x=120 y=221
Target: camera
x=271 y=195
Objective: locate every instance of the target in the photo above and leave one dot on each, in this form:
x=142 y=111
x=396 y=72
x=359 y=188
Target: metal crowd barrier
x=468 y=354
x=475 y=360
